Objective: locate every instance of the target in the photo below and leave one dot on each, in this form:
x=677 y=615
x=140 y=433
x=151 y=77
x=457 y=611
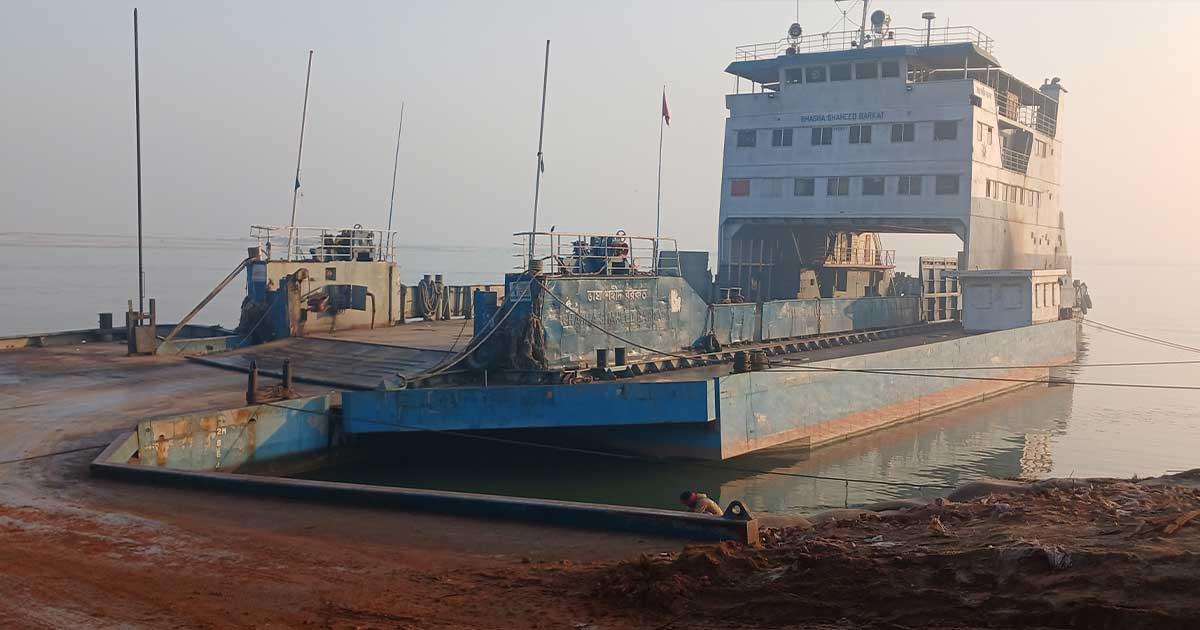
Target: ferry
x=801 y=335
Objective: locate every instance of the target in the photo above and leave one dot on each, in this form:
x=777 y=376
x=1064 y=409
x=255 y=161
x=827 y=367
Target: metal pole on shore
x=137 y=122
x=395 y=167
x=299 y=154
x=537 y=184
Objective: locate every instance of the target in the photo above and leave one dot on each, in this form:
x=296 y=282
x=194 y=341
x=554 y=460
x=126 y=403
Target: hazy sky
x=222 y=84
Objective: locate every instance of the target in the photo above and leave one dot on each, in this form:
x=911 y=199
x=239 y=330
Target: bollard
x=252 y=384
x=106 y=327
x=740 y=362
x=287 y=374
x=758 y=360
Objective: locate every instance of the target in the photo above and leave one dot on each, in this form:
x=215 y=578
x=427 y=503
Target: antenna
x=928 y=16
x=862 y=26
x=137 y=122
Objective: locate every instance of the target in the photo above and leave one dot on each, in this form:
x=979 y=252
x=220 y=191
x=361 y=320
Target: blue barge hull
x=695 y=414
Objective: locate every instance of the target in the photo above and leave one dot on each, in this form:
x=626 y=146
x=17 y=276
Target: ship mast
x=541 y=166
x=299 y=154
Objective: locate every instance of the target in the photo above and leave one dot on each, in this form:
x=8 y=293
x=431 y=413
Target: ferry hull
x=725 y=416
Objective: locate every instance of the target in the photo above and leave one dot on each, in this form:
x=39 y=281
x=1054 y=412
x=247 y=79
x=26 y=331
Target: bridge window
x=837 y=186
x=890 y=69
x=839 y=72
x=903 y=132
x=872 y=186
x=909 y=185
x=814 y=74
x=860 y=134
x=866 y=70
x=793 y=75
x=805 y=187
x=822 y=135
x=945 y=130
x=748 y=138
x=781 y=137
x=946 y=185
x=739 y=188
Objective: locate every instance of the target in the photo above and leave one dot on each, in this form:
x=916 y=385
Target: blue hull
x=725 y=416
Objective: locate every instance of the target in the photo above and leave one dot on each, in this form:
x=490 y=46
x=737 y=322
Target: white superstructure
x=835 y=137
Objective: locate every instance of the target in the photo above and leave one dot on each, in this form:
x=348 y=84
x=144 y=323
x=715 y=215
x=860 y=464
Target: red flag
x=666 y=114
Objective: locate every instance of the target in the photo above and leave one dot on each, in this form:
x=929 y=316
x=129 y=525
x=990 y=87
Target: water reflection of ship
x=1005 y=437
x=1008 y=436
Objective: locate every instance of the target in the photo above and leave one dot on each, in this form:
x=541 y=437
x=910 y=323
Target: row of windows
x=909 y=185
x=859 y=134
x=1013 y=194
x=1046 y=294
x=1009 y=296
x=842 y=72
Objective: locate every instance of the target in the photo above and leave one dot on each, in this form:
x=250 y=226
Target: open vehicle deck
x=355 y=358
x=941 y=333
x=361 y=358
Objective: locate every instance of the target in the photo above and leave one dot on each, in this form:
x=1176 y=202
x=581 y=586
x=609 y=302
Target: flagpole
x=137 y=121
x=537 y=184
x=395 y=167
x=658 y=209
x=299 y=154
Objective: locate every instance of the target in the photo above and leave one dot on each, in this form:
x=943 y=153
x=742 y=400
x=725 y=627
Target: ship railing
x=845 y=40
x=1040 y=115
x=1014 y=160
x=594 y=254
x=325 y=244
x=859 y=257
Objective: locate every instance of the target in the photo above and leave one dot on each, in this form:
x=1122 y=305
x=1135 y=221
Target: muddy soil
x=1093 y=554
x=77 y=552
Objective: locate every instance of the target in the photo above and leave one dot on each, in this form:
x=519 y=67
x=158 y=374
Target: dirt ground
x=1095 y=554
x=76 y=552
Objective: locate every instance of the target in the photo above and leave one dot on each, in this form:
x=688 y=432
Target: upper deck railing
x=619 y=254
x=846 y=40
x=860 y=257
x=325 y=244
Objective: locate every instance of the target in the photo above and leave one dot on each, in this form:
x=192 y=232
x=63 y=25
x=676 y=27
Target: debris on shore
x=1058 y=553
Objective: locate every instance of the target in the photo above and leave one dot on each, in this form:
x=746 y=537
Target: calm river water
x=56 y=282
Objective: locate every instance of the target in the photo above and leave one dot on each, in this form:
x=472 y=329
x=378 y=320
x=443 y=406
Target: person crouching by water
x=700 y=503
